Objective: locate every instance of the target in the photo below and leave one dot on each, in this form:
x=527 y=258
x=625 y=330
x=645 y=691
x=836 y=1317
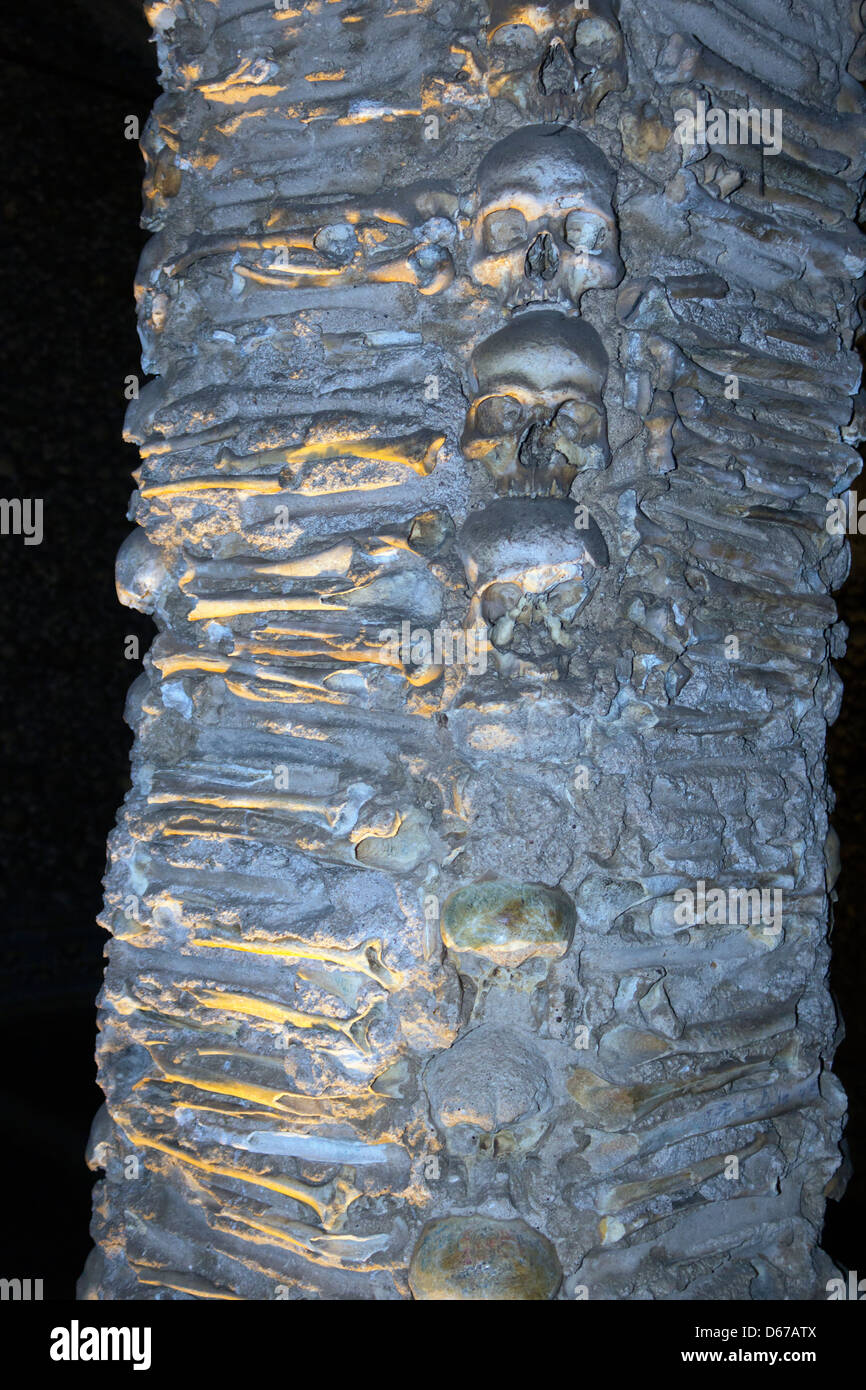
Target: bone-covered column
x=468 y=910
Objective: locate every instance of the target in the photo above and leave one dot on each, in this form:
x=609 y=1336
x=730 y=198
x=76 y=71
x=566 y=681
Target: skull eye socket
x=578 y=420
x=586 y=231
x=497 y=415
x=504 y=230
x=516 y=42
x=498 y=600
x=567 y=598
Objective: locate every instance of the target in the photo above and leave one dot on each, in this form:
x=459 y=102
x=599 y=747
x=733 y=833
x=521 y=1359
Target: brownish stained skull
x=544 y=228
x=555 y=60
x=537 y=417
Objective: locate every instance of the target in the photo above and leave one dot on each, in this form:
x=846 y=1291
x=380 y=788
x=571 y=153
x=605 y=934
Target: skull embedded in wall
x=531 y=571
x=537 y=417
x=544 y=228
x=488 y=1095
x=555 y=60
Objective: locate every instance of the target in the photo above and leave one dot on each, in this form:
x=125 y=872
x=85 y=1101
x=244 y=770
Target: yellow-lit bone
x=366 y=958
x=416 y=451
x=354 y=1029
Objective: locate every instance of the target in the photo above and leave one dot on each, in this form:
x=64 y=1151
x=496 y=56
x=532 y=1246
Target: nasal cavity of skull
x=557 y=70
x=542 y=258
x=537 y=449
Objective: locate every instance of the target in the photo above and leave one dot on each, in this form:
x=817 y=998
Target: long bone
x=684 y=61
x=330 y=1249
x=351 y=248
x=613 y=1231
x=308 y=1147
x=612 y=1200
x=408 y=593
x=417 y=451
x=236 y=1097
x=208 y=1069
x=402 y=843
x=252 y=671
x=366 y=959
x=329 y=1200
x=354 y=1029
x=337 y=816
x=610 y=1107
x=604 y=1154
x=180 y=1281
x=626 y=1046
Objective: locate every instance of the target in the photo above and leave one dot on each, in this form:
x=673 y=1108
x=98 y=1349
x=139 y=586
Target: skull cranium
x=544 y=228
x=537 y=419
x=555 y=59
x=531 y=571
x=488 y=1094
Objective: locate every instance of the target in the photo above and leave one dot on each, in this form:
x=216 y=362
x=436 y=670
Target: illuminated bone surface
x=472 y=969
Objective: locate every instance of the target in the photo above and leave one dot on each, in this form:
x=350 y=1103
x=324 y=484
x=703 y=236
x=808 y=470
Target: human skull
x=557 y=59
x=544 y=229
x=532 y=567
x=140 y=575
x=488 y=1094
x=537 y=418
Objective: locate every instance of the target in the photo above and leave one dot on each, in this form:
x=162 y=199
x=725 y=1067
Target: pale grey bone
x=141 y=577
x=637 y=754
x=537 y=418
x=612 y=1200
x=607 y=1153
x=544 y=227
x=629 y=1046
x=337 y=245
x=610 y=1107
x=839 y=133
x=488 y=1093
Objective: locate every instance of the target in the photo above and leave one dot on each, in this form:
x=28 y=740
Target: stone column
x=469 y=908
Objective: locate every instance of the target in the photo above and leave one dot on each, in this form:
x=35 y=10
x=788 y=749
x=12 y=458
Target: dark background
x=70 y=198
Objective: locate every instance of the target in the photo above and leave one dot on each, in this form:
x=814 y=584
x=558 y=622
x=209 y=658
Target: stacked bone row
x=485 y=412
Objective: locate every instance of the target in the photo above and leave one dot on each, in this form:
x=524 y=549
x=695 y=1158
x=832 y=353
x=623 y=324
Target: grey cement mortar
x=310 y=1048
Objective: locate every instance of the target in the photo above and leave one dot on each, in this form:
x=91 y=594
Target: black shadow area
x=70 y=200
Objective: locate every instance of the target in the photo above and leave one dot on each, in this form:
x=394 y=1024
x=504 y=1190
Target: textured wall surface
x=469 y=908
